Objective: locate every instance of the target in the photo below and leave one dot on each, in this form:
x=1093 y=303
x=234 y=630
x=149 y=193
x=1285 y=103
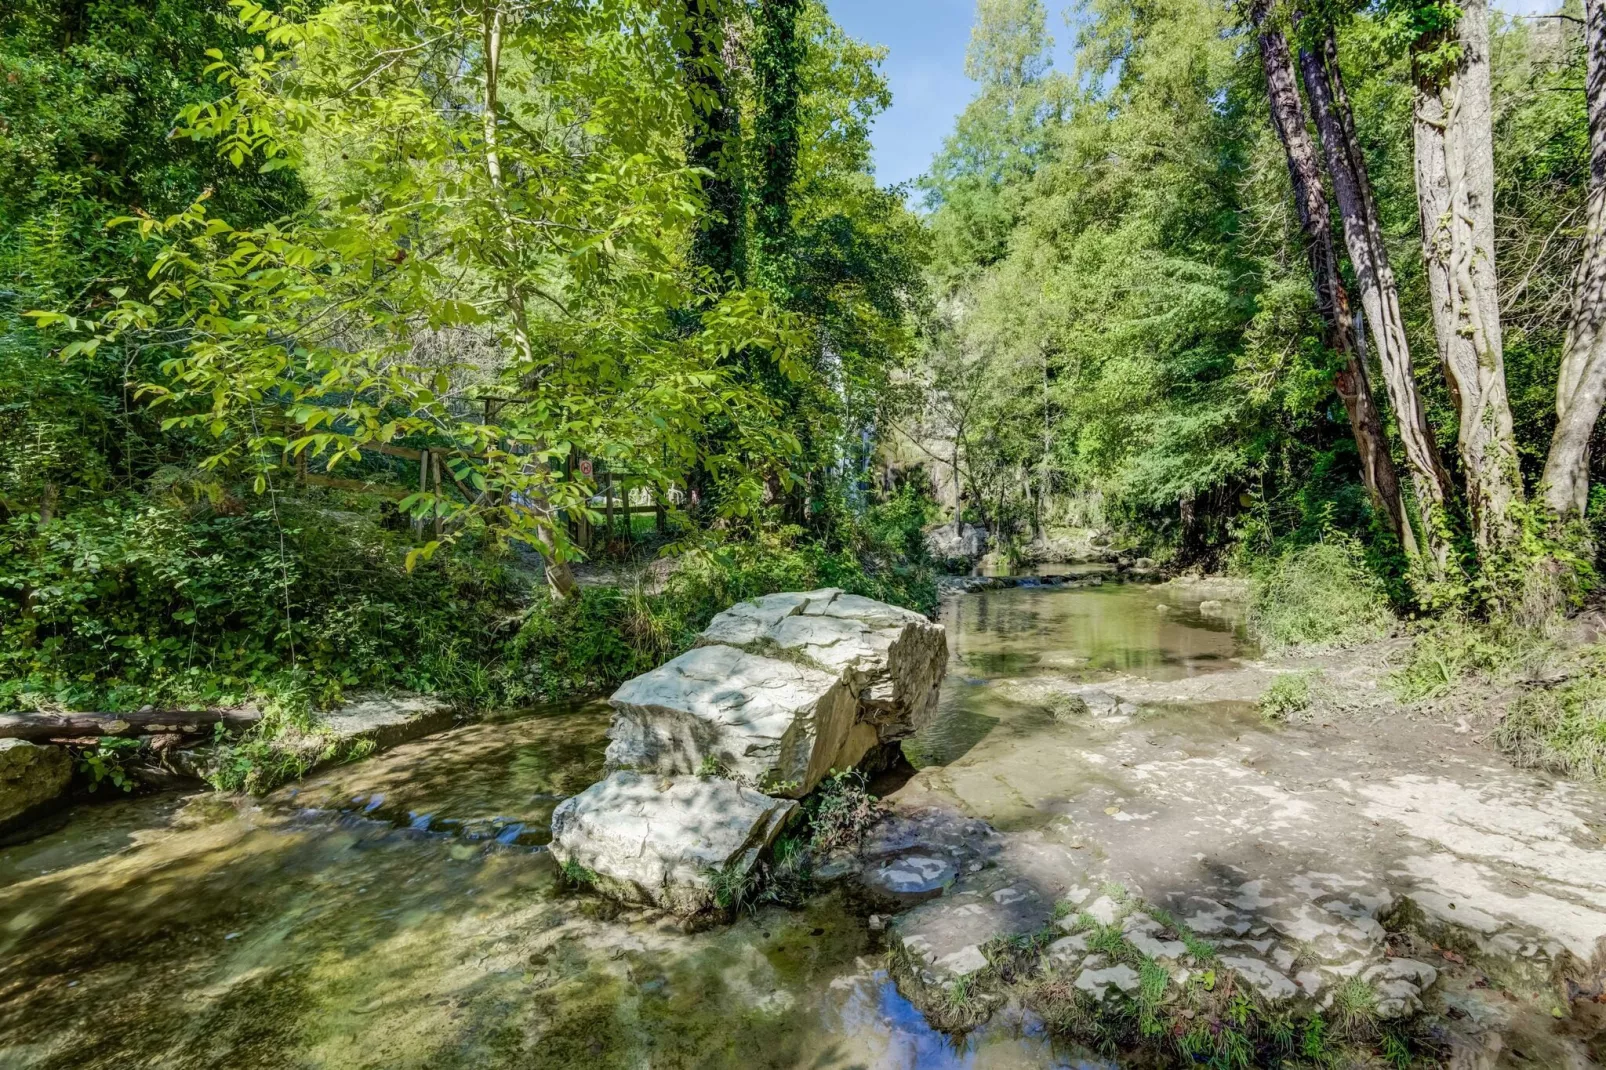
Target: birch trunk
x=1380 y=296
x=1332 y=301
x=558 y=574
x=1581 y=384
x=1455 y=194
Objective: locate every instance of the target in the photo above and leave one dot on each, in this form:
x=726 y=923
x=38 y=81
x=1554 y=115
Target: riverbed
x=402 y=912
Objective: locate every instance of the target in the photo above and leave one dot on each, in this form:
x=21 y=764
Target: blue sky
x=926 y=69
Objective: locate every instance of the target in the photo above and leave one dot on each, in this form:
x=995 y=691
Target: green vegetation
x=252 y=319
x=1321 y=595
x=1288 y=695
x=330 y=331
x=1561 y=728
x=1204 y=1016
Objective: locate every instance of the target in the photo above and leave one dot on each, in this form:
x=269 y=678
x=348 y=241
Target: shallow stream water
x=402 y=912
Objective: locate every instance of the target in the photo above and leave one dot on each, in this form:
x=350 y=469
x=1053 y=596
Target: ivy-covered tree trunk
x=714 y=143
x=1581 y=382
x=1332 y=300
x=777 y=66
x=1380 y=295
x=1454 y=152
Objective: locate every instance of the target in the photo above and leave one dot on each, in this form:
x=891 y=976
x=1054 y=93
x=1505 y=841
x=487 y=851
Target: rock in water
x=665 y=840
x=777 y=724
x=33 y=779
x=893 y=659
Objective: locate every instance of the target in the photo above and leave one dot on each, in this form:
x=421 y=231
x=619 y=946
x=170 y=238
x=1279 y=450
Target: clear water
x=402 y=913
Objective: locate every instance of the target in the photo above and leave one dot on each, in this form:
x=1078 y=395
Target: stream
x=402 y=912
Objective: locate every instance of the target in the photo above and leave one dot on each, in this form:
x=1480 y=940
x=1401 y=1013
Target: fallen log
x=38 y=726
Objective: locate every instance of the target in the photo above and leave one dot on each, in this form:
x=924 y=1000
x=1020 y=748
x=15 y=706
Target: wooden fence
x=614 y=488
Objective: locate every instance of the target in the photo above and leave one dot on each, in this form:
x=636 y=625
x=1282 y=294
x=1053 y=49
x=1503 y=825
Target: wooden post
x=659 y=516
x=423 y=488
x=435 y=464
x=608 y=492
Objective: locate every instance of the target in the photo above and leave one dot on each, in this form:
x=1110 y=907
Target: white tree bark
x=1455 y=192
x=1379 y=293
x=1581 y=384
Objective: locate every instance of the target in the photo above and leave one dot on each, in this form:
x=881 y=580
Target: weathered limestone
x=893 y=659
x=33 y=778
x=665 y=840
x=777 y=724
x=778 y=693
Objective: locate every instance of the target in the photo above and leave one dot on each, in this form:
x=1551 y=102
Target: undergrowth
x=1321 y=595
x=1561 y=728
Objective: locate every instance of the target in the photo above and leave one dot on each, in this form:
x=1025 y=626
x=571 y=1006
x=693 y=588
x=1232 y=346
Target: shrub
x=1289 y=694
x=1561 y=728
x=1318 y=595
x=1449 y=649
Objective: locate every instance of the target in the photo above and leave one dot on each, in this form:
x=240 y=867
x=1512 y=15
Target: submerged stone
x=668 y=841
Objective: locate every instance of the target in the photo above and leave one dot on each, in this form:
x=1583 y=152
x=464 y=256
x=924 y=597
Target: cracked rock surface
x=1297 y=852
x=663 y=840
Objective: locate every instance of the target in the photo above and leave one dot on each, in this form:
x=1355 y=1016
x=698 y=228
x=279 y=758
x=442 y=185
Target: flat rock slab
x=364 y=726
x=774 y=723
x=1294 y=852
x=893 y=659
x=665 y=840
x=33 y=779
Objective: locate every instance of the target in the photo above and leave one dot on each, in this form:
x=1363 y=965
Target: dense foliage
x=1127 y=332
x=257 y=253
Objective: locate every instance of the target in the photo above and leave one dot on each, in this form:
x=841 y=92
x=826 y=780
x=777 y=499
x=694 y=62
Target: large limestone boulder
x=893 y=659
x=33 y=779
x=777 y=724
x=665 y=840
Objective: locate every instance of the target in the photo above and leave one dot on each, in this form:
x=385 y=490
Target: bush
x=1562 y=728
x=1289 y=694
x=1318 y=595
x=1452 y=648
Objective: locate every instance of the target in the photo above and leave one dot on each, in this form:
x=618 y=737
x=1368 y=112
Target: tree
x=1581 y=381
x=1454 y=157
x=1332 y=300
x=507 y=201
x=1380 y=296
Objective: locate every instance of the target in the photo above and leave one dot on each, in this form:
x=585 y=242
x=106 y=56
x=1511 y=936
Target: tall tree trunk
x=778 y=66
x=1454 y=150
x=1380 y=295
x=1581 y=384
x=1332 y=301
x=558 y=574
x=714 y=143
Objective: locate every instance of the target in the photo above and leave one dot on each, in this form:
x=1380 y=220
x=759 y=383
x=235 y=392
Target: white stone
x=1260 y=976
x=777 y=724
x=964 y=962
x=1098 y=982
x=1104 y=910
x=662 y=840
x=893 y=659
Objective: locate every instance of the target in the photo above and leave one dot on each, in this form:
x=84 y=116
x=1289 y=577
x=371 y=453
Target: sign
x=585 y=467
